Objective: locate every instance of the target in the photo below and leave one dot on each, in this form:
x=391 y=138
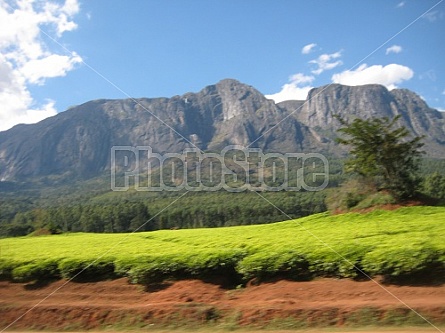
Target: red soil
x=109 y=304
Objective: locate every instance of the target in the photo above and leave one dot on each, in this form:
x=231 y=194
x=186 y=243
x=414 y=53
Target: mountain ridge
x=78 y=141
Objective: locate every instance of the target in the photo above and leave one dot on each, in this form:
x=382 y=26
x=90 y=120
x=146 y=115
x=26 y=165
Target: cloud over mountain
x=299 y=84
x=389 y=75
x=25 y=59
x=296 y=89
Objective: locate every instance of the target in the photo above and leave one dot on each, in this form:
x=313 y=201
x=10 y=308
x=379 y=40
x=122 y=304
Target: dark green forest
x=193 y=210
x=46 y=207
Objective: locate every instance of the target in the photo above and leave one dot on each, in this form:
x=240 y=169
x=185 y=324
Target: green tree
x=382 y=151
x=434 y=186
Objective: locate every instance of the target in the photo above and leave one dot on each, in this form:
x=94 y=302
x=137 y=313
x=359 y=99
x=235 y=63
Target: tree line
x=200 y=210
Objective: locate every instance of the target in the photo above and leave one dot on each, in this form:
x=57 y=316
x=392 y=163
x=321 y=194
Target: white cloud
x=401 y=4
x=324 y=62
x=433 y=16
x=388 y=75
x=17 y=103
x=26 y=60
x=289 y=92
x=54 y=65
x=293 y=90
x=71 y=7
x=308 y=48
x=300 y=78
x=394 y=49
x=443 y=92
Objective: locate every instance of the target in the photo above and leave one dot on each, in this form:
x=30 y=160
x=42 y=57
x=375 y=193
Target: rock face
x=373 y=101
x=78 y=142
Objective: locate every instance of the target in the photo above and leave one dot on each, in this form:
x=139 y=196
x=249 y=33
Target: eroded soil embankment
x=281 y=304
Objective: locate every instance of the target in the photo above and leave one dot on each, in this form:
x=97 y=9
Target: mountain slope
x=373 y=101
x=78 y=142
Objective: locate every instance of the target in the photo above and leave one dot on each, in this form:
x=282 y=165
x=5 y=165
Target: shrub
x=410 y=259
x=153 y=269
x=344 y=260
x=87 y=270
x=376 y=199
x=157 y=270
x=214 y=262
x=266 y=265
x=123 y=266
x=350 y=194
x=36 y=271
x=6 y=267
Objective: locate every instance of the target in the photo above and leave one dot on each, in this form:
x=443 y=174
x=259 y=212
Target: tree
x=434 y=186
x=382 y=152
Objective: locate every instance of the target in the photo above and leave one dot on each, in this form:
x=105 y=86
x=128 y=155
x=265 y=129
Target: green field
x=408 y=242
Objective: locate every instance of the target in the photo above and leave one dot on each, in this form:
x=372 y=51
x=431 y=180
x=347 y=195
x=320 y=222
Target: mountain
x=369 y=101
x=78 y=142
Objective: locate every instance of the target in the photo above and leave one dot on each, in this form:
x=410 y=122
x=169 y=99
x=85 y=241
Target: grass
x=402 y=243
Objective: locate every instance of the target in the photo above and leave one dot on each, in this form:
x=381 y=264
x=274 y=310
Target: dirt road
x=338 y=304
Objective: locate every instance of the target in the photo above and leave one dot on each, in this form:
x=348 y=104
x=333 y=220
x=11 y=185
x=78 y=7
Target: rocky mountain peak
x=358 y=101
x=238 y=98
x=79 y=141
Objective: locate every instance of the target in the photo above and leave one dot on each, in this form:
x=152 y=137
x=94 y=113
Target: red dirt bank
x=282 y=304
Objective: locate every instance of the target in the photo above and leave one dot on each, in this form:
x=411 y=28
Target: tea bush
x=408 y=241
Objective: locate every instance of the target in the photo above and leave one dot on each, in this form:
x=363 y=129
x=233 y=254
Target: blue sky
x=56 y=54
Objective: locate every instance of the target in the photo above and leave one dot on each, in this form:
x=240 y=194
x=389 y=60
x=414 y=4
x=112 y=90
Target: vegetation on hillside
x=114 y=213
x=397 y=244
x=385 y=168
x=90 y=207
